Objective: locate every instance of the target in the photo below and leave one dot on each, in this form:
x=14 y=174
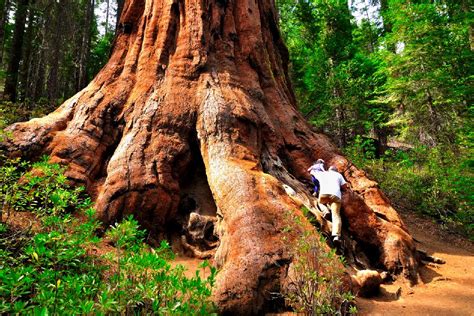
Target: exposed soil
x=192 y=265
x=445 y=289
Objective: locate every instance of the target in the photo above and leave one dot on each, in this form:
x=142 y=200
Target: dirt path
x=192 y=265
x=446 y=289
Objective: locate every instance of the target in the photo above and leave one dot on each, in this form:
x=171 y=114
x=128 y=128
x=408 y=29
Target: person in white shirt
x=330 y=194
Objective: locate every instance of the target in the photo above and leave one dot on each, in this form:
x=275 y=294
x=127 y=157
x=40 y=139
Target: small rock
x=368 y=282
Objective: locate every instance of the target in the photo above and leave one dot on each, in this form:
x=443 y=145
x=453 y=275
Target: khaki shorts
x=328 y=199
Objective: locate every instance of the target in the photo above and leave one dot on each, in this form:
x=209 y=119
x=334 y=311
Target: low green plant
x=53 y=270
x=10 y=173
x=316 y=277
x=144 y=281
x=437 y=182
x=43 y=190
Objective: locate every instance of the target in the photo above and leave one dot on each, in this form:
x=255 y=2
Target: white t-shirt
x=330 y=182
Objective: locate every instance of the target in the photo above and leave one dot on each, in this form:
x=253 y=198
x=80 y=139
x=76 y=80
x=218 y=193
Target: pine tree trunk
x=10 y=91
x=5 y=8
x=55 y=50
x=193 y=83
x=85 y=45
x=120 y=4
x=24 y=69
x=107 y=17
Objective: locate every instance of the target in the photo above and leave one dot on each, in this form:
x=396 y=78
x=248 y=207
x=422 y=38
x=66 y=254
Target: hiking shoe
x=337 y=243
x=327 y=216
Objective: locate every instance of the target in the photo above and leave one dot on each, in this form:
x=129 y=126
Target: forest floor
x=444 y=289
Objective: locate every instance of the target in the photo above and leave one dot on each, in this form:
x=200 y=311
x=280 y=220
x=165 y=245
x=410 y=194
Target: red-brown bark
x=207 y=81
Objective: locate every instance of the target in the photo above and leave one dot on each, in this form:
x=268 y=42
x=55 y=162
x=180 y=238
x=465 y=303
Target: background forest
x=390 y=81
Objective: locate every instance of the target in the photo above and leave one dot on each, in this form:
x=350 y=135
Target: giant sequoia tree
x=196 y=93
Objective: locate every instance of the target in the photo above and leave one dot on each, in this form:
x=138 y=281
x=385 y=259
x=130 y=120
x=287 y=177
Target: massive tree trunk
x=197 y=93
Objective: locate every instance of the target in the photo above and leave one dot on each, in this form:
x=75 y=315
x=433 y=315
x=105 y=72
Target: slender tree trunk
x=384 y=8
x=120 y=4
x=40 y=78
x=55 y=51
x=86 y=43
x=16 y=52
x=340 y=115
x=24 y=71
x=107 y=18
x=467 y=9
x=372 y=37
x=36 y=78
x=341 y=122
x=5 y=6
x=205 y=83
x=381 y=133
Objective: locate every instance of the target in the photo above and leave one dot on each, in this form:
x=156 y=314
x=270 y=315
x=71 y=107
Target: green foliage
x=8 y=115
x=361 y=150
x=428 y=70
x=316 y=276
x=44 y=190
x=144 y=280
x=407 y=79
x=53 y=270
x=431 y=181
x=410 y=77
x=335 y=75
x=100 y=52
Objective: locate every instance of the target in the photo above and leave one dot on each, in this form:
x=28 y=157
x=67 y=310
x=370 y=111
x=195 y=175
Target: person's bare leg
x=336 y=217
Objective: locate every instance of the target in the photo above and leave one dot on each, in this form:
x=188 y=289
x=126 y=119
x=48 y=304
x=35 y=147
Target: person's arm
x=310 y=168
x=345 y=187
x=344 y=184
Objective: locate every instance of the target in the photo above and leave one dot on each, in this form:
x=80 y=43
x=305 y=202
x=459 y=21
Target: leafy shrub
x=316 y=286
x=10 y=173
x=53 y=271
x=44 y=190
x=144 y=280
x=433 y=181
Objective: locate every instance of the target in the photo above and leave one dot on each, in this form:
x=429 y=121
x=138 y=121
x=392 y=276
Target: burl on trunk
x=207 y=81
